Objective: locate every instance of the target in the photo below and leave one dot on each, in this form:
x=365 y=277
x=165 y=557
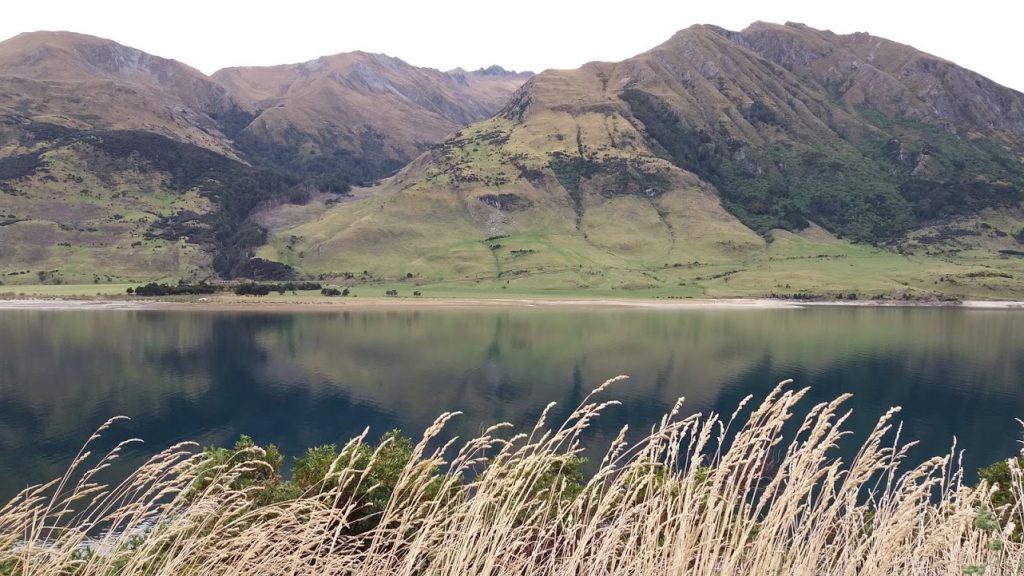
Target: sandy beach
x=456 y=303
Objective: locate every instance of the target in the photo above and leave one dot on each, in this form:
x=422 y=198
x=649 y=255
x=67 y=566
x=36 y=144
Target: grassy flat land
x=65 y=290
x=812 y=263
x=623 y=249
x=790 y=266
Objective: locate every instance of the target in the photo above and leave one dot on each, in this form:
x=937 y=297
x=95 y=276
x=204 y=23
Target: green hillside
x=111 y=206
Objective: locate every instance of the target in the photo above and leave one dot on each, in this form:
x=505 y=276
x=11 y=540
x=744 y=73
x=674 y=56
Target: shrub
x=252 y=289
x=180 y=289
x=247 y=467
x=1006 y=500
x=17 y=167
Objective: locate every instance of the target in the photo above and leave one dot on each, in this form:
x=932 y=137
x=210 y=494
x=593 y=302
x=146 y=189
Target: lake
x=309 y=378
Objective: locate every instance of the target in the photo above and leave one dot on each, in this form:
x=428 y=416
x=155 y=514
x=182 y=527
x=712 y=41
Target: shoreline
x=469 y=303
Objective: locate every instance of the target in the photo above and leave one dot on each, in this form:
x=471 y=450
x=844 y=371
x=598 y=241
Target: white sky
x=983 y=35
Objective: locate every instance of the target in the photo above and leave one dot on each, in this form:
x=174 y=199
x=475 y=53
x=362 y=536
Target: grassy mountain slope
x=780 y=159
x=86 y=224
x=127 y=205
x=865 y=136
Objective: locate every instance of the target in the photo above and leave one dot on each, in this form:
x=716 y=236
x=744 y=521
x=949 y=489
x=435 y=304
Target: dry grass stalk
x=698 y=495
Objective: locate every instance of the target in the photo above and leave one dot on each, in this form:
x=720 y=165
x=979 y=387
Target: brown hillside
x=86 y=82
x=364 y=103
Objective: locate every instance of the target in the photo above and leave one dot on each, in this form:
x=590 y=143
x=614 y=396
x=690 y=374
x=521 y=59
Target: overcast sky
x=982 y=35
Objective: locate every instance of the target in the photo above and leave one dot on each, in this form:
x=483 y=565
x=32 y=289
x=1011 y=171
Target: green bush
x=252 y=289
x=1005 y=497
x=154 y=289
x=258 y=471
x=17 y=167
x=252 y=467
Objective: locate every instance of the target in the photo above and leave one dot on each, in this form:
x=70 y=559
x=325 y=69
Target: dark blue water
x=313 y=378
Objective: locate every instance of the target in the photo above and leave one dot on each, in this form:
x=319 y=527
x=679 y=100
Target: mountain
x=779 y=159
x=357 y=114
x=90 y=83
x=775 y=160
x=120 y=165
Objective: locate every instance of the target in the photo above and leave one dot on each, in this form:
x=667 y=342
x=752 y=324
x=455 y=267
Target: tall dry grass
x=699 y=495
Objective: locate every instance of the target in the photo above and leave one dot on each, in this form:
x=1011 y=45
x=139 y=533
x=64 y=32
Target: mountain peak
x=55 y=37
x=63 y=55
x=84 y=81
x=351 y=100
x=495 y=70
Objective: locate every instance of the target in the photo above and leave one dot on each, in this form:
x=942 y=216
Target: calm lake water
x=313 y=378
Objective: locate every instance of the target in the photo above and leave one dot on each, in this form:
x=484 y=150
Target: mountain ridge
x=778 y=159
x=703 y=149
x=362 y=104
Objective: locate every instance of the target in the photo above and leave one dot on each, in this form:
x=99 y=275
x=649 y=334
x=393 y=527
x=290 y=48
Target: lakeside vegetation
x=757 y=492
x=294 y=292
